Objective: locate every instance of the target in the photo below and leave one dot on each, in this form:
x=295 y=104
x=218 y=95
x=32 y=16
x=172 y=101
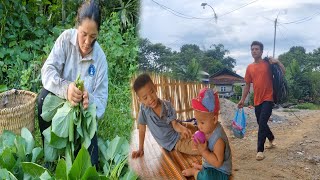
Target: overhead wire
x=182 y=15
x=176 y=13
x=283 y=36
x=238 y=8
x=302 y=20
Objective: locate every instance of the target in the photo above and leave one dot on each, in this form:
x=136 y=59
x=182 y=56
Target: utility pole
x=275 y=31
x=274 y=37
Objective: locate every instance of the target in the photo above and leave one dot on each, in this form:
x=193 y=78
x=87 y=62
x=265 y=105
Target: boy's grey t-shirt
x=160 y=127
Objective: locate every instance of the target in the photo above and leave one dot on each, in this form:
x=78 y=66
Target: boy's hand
x=136 y=154
x=185 y=133
x=202 y=147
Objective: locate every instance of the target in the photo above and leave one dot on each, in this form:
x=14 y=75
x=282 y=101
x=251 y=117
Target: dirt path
x=296 y=156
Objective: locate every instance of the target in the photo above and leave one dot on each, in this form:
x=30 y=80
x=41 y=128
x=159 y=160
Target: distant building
x=204 y=77
x=225 y=81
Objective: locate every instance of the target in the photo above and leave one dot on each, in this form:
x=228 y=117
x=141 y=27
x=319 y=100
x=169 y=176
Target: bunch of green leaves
x=71 y=127
x=19 y=159
x=80 y=169
x=16 y=153
x=114 y=158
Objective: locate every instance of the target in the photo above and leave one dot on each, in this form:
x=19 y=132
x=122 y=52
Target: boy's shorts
x=211 y=173
x=186 y=145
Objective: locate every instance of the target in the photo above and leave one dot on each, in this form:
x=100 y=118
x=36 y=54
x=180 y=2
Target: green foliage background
x=186 y=64
x=28 y=30
x=302 y=68
x=302 y=74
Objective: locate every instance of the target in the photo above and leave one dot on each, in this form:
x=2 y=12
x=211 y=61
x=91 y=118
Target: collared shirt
x=160 y=127
x=65 y=63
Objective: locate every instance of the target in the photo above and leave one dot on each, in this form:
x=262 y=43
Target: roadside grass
x=309 y=106
x=290 y=110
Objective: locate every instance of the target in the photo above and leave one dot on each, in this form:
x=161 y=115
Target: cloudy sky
x=239 y=22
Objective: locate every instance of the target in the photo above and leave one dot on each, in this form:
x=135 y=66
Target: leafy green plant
x=290 y=110
x=310 y=106
x=71 y=126
x=121 y=47
x=15 y=151
x=3 y=88
x=114 y=155
x=80 y=169
x=19 y=159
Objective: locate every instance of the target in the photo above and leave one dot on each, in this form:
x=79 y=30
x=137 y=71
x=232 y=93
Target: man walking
x=260 y=75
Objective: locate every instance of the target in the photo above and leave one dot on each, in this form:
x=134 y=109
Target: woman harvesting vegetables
x=76 y=52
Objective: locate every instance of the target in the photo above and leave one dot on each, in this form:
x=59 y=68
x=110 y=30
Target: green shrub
x=310 y=106
x=121 y=48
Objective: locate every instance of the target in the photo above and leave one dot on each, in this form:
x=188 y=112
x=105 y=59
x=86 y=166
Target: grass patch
x=234 y=100
x=117 y=119
x=309 y=106
x=290 y=110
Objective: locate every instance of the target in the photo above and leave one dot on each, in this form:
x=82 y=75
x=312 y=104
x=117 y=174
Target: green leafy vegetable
x=50 y=106
x=61 y=170
x=80 y=165
x=5 y=174
x=20 y=143
x=60 y=122
x=32 y=169
x=37 y=153
x=71 y=128
x=79 y=83
x=91 y=173
x=25 y=133
x=7 y=159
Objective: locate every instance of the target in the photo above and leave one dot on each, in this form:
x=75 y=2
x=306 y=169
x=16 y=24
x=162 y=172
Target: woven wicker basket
x=17 y=110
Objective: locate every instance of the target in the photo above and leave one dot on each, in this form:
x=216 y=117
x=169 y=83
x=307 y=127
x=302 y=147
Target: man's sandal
x=270 y=145
x=260 y=156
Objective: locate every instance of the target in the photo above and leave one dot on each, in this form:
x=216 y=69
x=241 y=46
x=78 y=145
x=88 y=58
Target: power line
x=295 y=42
x=239 y=8
x=302 y=20
x=286 y=39
x=182 y=15
x=268 y=19
x=176 y=13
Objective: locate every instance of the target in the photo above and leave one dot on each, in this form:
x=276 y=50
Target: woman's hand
x=85 y=101
x=74 y=94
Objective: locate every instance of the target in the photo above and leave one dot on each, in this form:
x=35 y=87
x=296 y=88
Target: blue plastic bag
x=239 y=124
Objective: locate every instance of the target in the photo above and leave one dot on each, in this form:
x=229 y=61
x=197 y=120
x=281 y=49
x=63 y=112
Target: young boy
x=160 y=117
x=215 y=151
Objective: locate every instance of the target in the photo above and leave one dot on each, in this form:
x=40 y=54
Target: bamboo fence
x=179 y=93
